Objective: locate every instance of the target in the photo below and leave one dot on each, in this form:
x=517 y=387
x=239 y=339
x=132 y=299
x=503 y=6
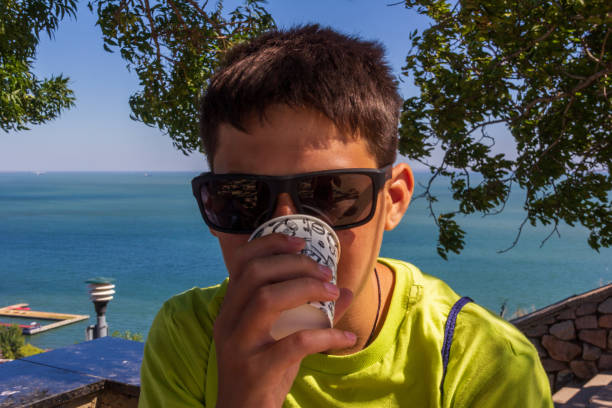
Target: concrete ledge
x=597 y=392
x=84 y=375
x=596 y=295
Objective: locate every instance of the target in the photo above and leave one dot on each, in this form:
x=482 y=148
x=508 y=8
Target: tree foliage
x=24 y=98
x=542 y=69
x=539 y=68
x=11 y=341
x=174 y=46
x=128 y=335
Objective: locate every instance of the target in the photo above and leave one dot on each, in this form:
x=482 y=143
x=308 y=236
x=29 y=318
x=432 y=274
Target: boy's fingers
x=342 y=303
x=273 y=269
x=269 y=301
x=293 y=348
x=269 y=245
x=272 y=244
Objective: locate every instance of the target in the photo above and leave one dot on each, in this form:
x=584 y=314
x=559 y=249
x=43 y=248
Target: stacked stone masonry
x=573 y=337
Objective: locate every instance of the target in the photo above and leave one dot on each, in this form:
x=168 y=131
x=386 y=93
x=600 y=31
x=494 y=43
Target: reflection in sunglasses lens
x=243 y=203
x=341 y=199
x=236 y=203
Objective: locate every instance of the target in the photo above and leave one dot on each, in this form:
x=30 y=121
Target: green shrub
x=128 y=335
x=11 y=340
x=29 y=350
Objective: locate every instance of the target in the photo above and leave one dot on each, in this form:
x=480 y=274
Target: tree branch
x=153 y=31
x=482 y=125
x=119 y=9
x=427 y=194
x=536 y=41
x=578 y=77
x=516 y=239
x=588 y=81
x=536 y=166
x=179 y=16
x=205 y=15
x=585 y=47
x=555 y=229
x=603 y=45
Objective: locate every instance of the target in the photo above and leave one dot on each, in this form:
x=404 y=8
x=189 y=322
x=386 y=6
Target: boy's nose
x=284 y=206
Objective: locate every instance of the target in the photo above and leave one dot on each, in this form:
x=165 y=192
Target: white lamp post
x=101 y=291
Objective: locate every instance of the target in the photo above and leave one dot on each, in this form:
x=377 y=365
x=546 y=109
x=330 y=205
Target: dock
x=21 y=310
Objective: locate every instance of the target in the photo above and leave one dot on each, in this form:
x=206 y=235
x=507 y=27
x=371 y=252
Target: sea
x=144 y=230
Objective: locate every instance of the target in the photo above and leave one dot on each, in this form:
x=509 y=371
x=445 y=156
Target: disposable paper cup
x=323 y=246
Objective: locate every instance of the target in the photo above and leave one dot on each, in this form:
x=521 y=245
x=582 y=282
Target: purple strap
x=449 y=330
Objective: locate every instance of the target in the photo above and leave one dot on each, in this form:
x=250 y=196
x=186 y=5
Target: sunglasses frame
x=286 y=184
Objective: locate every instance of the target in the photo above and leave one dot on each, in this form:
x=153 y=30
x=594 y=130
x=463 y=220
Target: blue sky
x=98 y=135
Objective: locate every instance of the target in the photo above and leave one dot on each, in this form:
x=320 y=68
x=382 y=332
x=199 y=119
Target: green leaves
x=24 y=99
x=174 y=46
x=451 y=237
x=128 y=335
x=11 y=341
x=541 y=69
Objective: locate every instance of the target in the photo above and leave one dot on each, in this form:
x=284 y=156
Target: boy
x=317 y=107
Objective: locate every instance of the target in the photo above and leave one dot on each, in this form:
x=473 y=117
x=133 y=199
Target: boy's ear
x=398 y=191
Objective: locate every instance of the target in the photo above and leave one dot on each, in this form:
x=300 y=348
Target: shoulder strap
x=449 y=330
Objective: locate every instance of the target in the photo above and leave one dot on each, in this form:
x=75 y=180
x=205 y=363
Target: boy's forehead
x=285 y=135
x=314 y=128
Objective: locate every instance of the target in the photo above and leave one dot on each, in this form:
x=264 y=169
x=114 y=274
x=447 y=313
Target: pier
x=22 y=310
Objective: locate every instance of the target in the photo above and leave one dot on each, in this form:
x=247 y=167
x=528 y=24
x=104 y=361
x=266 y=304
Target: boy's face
x=289 y=142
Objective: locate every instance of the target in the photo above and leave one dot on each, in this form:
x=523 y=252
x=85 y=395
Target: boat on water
x=33 y=325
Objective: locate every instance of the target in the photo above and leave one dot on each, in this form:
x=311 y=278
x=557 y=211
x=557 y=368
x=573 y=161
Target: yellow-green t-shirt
x=491 y=363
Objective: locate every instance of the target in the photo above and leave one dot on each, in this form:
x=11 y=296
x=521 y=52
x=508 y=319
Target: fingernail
x=331 y=288
x=350 y=336
x=326 y=271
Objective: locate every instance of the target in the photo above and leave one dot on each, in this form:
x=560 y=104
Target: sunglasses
x=239 y=203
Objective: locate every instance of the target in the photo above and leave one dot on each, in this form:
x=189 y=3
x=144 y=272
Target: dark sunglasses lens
x=339 y=199
x=235 y=204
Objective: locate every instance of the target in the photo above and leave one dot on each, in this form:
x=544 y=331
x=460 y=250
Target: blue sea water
x=59 y=229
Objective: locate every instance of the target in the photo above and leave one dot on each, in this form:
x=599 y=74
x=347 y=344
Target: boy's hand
x=268 y=276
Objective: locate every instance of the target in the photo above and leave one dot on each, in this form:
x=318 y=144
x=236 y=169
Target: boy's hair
x=344 y=78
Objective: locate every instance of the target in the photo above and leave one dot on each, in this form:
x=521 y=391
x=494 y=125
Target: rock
x=586 y=322
x=551 y=365
x=605 y=306
x=590 y=352
x=605 y=362
x=563 y=330
x=586 y=308
x=596 y=337
x=538 y=346
x=610 y=340
x=563 y=378
x=583 y=369
x=567 y=314
x=559 y=349
x=536 y=331
x=605 y=321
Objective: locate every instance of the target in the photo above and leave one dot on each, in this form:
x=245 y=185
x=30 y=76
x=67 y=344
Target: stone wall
x=573 y=337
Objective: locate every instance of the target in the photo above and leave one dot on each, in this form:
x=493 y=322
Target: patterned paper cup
x=323 y=246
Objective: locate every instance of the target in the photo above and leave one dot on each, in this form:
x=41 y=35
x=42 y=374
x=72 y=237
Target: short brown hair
x=345 y=78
